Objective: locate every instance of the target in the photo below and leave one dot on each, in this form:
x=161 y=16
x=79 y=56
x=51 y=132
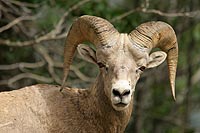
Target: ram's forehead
x=124 y=48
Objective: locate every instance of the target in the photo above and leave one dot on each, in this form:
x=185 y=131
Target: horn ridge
x=159 y=34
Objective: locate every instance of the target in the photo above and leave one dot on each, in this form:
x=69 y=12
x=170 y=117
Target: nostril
x=126 y=92
x=116 y=92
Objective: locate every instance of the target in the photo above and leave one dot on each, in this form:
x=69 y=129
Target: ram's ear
x=156 y=58
x=87 y=53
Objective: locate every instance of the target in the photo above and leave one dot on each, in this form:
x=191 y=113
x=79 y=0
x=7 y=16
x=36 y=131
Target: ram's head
x=122 y=57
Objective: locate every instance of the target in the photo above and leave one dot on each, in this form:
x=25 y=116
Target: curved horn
x=86 y=28
x=159 y=34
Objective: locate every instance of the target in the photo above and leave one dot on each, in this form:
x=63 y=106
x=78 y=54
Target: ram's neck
x=113 y=120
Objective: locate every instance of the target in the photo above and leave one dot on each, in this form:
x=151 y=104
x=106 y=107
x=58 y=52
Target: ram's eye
x=101 y=65
x=142 y=68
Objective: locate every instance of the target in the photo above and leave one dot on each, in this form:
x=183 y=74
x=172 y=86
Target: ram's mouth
x=121 y=104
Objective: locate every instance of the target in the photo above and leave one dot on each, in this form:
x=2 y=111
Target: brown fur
x=42 y=108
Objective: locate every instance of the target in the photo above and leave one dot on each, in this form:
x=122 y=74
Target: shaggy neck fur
x=108 y=117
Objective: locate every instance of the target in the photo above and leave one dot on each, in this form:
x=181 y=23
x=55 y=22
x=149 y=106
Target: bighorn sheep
x=107 y=105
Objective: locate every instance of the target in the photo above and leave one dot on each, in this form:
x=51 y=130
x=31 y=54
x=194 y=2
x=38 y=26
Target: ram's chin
x=120 y=106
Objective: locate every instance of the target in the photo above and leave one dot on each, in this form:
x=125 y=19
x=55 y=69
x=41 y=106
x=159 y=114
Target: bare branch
x=52 y=35
x=178 y=14
x=81 y=75
x=14 y=7
x=158 y=12
x=59 y=27
x=15 y=78
x=22 y=65
x=19 y=3
x=46 y=37
x=42 y=51
x=123 y=15
x=16 y=21
x=76 y=70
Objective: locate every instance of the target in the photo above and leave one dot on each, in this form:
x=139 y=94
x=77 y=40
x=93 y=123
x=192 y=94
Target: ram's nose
x=120 y=92
x=121 y=88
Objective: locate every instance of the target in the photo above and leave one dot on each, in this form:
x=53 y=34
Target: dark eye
x=142 y=68
x=101 y=65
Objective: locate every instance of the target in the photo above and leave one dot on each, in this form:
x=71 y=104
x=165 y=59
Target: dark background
x=32 y=35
